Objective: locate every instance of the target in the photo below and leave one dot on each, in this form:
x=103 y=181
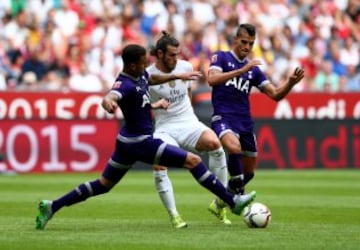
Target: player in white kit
x=178 y=125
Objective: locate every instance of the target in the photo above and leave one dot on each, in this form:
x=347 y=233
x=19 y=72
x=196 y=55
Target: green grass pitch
x=311 y=209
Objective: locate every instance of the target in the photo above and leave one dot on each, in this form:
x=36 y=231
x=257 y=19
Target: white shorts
x=185 y=136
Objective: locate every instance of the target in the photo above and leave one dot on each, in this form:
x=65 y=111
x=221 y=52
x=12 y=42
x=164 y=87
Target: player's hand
x=296 y=76
x=251 y=64
x=109 y=104
x=189 y=75
x=161 y=104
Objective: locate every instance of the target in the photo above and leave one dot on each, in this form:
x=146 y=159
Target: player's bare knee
x=107 y=183
x=192 y=160
x=234 y=149
x=213 y=144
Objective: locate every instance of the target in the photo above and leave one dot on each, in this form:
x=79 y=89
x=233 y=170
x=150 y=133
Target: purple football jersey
x=135 y=104
x=135 y=141
x=231 y=100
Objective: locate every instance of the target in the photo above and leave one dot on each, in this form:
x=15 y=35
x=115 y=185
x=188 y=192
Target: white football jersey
x=176 y=92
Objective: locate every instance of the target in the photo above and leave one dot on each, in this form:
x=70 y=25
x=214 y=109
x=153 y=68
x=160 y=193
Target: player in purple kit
x=232 y=75
x=135 y=140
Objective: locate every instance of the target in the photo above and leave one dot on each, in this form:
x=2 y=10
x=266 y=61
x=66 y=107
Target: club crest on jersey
x=116 y=85
x=172 y=84
x=230 y=64
x=214 y=58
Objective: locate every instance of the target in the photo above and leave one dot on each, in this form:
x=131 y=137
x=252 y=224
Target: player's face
x=243 y=44
x=139 y=67
x=169 y=58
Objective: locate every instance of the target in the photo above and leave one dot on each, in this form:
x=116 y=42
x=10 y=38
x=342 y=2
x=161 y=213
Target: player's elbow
x=277 y=98
x=275 y=95
x=211 y=81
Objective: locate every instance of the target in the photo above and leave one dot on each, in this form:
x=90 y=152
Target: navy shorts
x=247 y=139
x=150 y=150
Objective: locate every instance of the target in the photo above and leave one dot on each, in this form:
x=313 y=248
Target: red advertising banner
x=308 y=144
x=307 y=106
x=55 y=132
x=67 y=106
x=57 y=146
x=70 y=132
x=43 y=106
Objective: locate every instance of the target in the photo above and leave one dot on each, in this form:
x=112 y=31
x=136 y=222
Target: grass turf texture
x=316 y=209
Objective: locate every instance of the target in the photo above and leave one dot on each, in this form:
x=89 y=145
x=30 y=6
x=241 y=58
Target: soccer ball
x=257 y=215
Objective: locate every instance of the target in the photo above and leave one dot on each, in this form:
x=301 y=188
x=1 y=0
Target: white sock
x=217 y=165
x=165 y=190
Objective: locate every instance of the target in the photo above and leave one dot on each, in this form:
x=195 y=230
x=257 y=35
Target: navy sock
x=235 y=166
x=248 y=177
x=236 y=185
x=210 y=182
x=81 y=193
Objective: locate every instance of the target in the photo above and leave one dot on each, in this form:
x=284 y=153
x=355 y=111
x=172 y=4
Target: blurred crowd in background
x=75 y=45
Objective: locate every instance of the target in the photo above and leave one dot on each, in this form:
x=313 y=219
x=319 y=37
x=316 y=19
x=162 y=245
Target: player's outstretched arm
x=109 y=102
x=158 y=79
x=216 y=77
x=278 y=93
